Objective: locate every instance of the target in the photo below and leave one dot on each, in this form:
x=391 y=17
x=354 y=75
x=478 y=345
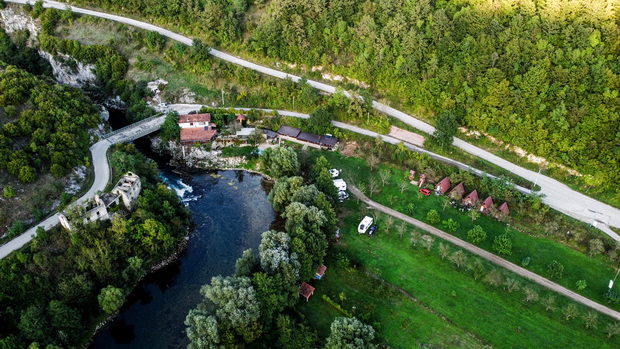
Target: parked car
x=372 y=230
x=342 y=195
x=334 y=173
x=425 y=191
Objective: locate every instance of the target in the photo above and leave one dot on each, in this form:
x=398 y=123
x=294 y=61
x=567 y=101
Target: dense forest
x=540 y=74
x=63 y=283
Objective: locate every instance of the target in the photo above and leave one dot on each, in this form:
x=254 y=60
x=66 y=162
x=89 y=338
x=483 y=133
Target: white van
x=364 y=225
x=340 y=184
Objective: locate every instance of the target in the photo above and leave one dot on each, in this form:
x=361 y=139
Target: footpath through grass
x=474 y=312
x=542 y=251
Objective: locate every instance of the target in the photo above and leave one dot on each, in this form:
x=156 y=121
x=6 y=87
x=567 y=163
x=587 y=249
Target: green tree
x=9 y=192
x=451 y=225
x=170 y=129
x=556 y=269
x=433 y=217
x=320 y=121
x=281 y=161
x=111 y=299
x=446 y=128
x=502 y=244
x=350 y=333
x=476 y=234
x=34 y=324
x=581 y=285
x=247 y=264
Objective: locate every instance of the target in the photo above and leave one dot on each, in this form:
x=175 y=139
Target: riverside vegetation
x=64 y=283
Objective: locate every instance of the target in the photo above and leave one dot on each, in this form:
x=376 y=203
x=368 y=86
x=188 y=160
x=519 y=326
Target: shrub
x=502 y=244
x=433 y=217
x=556 y=269
x=450 y=225
x=581 y=284
x=476 y=234
x=9 y=192
x=525 y=261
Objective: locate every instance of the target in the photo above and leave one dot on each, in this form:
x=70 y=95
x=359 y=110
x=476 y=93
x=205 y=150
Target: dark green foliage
x=320 y=121
x=446 y=129
x=556 y=269
x=280 y=161
x=49 y=290
x=476 y=234
x=154 y=41
x=350 y=333
x=170 y=129
x=54 y=124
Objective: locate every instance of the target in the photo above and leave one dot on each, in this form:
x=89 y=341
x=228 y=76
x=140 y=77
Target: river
x=230 y=210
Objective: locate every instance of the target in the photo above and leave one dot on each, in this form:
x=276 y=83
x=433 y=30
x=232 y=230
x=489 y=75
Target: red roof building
x=306 y=290
x=443 y=186
x=457 y=192
x=320 y=271
x=503 y=209
x=194 y=120
x=241 y=118
x=486 y=206
x=471 y=199
x=197 y=135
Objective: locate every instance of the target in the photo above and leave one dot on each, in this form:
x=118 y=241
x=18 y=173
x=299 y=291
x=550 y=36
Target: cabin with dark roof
x=306 y=290
x=472 y=199
x=503 y=209
x=288 y=132
x=270 y=134
x=486 y=206
x=457 y=192
x=320 y=271
x=443 y=186
x=294 y=134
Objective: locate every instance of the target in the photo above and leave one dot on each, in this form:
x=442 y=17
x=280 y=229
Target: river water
x=230 y=210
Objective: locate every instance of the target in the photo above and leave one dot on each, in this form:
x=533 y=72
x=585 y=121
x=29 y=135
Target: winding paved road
x=102 y=177
x=488 y=256
x=557 y=195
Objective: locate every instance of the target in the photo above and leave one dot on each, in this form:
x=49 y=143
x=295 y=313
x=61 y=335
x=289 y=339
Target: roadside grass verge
x=542 y=251
x=500 y=318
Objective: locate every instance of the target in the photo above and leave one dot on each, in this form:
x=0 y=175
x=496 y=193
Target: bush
x=450 y=225
x=525 y=261
x=581 y=284
x=502 y=244
x=556 y=269
x=9 y=192
x=17 y=228
x=476 y=234
x=611 y=297
x=433 y=217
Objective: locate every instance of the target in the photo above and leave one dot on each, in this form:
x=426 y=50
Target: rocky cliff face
x=12 y=19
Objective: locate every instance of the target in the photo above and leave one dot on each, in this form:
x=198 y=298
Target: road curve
x=102 y=177
x=557 y=195
x=487 y=255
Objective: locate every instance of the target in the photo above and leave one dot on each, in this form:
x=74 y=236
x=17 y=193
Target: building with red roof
x=443 y=186
x=306 y=290
x=320 y=271
x=486 y=206
x=457 y=192
x=196 y=128
x=471 y=199
x=503 y=209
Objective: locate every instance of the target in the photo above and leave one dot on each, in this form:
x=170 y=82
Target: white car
x=335 y=173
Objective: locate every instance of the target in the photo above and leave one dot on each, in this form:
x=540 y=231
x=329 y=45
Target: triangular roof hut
x=471 y=199
x=457 y=192
x=485 y=208
x=443 y=186
x=320 y=271
x=503 y=208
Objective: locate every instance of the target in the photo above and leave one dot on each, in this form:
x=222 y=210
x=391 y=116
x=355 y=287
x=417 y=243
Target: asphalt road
x=102 y=177
x=488 y=256
x=557 y=195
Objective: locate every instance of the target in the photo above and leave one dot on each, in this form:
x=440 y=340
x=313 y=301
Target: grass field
x=458 y=310
x=542 y=251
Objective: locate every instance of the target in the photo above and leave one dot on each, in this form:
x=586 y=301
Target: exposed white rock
x=79 y=76
x=15 y=20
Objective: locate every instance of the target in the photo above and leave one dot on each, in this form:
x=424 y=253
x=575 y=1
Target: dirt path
x=488 y=256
